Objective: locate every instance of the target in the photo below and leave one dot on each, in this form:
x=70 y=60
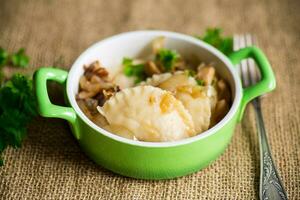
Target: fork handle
x=270 y=186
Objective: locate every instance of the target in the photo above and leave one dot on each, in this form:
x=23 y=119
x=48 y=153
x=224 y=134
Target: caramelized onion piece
x=222 y=107
x=85 y=95
x=89 y=86
x=96 y=84
x=206 y=73
x=151 y=68
x=104 y=95
x=89 y=108
x=223 y=90
x=95 y=68
x=179 y=65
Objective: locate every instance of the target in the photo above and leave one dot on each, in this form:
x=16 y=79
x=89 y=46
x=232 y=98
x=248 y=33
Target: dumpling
x=177 y=80
x=196 y=101
x=149 y=113
x=120 y=130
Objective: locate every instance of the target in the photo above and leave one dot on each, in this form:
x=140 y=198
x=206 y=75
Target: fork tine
x=236 y=46
x=244 y=65
x=253 y=70
x=251 y=65
x=255 y=42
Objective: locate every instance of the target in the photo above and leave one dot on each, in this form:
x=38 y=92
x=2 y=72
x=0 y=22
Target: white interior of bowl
x=111 y=51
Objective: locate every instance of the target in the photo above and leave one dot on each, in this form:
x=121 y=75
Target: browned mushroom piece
x=89 y=70
x=151 y=68
x=100 y=97
x=104 y=84
x=85 y=95
x=83 y=107
x=99 y=119
x=160 y=66
x=222 y=107
x=105 y=94
x=95 y=79
x=95 y=86
x=95 y=69
x=88 y=85
x=206 y=73
x=101 y=72
x=179 y=65
x=89 y=108
x=223 y=90
x=110 y=92
x=91 y=104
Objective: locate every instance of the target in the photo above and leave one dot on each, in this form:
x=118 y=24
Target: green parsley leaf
x=190 y=72
x=138 y=80
x=200 y=82
x=127 y=64
x=17 y=108
x=127 y=61
x=136 y=71
x=20 y=59
x=167 y=58
x=213 y=37
x=2 y=77
x=3 y=57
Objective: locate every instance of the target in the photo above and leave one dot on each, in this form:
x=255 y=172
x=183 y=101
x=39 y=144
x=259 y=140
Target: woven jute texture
x=50 y=164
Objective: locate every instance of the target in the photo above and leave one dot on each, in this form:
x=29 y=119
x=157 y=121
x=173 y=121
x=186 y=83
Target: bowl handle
x=45 y=107
x=267 y=82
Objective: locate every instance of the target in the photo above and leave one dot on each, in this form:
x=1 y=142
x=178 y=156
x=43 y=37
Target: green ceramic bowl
x=152 y=160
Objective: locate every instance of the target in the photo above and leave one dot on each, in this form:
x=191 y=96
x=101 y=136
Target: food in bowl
x=152 y=160
x=161 y=97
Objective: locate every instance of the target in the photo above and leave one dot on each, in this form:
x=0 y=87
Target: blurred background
x=71 y=26
x=50 y=164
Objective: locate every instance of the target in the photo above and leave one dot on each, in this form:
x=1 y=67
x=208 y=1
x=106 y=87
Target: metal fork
x=270 y=185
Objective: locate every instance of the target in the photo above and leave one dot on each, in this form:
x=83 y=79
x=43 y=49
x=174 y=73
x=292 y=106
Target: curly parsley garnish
x=3 y=57
x=132 y=70
x=200 y=82
x=213 y=37
x=20 y=59
x=17 y=108
x=167 y=58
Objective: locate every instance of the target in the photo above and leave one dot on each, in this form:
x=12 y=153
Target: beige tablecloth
x=50 y=164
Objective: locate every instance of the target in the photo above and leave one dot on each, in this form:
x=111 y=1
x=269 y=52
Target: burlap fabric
x=50 y=164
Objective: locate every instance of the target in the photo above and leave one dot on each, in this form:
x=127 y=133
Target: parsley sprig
x=17 y=59
x=213 y=37
x=17 y=101
x=167 y=58
x=3 y=57
x=17 y=108
x=20 y=59
x=132 y=70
